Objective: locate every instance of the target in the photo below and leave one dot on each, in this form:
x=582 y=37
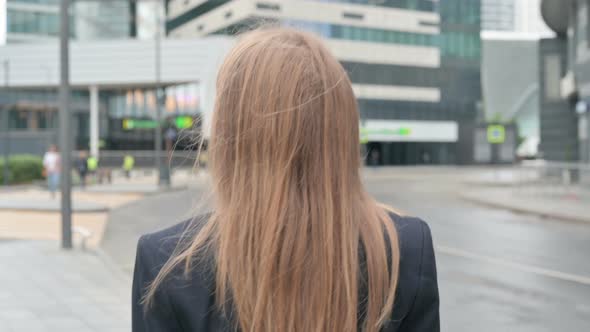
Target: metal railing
x=146 y=159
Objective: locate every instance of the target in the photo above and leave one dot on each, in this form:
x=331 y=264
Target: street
x=498 y=271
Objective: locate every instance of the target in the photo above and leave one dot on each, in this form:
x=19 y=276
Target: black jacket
x=183 y=304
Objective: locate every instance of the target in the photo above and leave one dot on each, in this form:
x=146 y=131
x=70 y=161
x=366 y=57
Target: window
x=17 y=119
x=45 y=119
x=428 y=23
x=228 y=14
x=268 y=6
x=33 y=23
x=200 y=27
x=354 y=16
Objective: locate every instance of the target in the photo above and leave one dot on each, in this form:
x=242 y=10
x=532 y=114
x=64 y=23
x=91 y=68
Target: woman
x=294 y=243
x=52 y=168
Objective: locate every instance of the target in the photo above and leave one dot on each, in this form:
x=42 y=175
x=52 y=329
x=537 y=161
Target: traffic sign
x=496 y=134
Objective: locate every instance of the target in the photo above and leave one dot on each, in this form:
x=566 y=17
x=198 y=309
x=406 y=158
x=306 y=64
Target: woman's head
x=291 y=216
x=285 y=111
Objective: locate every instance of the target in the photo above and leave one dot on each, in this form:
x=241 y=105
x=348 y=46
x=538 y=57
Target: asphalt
x=498 y=270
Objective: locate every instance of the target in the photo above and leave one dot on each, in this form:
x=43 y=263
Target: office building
x=518 y=16
x=31 y=31
x=414 y=64
x=113 y=95
x=38 y=20
x=510 y=80
x=498 y=15
x=565 y=69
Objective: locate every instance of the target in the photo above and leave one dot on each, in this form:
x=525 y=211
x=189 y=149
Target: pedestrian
x=128 y=163
x=92 y=166
x=82 y=167
x=52 y=168
x=294 y=242
x=374 y=157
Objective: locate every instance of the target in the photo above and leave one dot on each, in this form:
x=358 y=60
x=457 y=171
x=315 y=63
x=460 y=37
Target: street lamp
x=6 y=170
x=65 y=128
x=163 y=171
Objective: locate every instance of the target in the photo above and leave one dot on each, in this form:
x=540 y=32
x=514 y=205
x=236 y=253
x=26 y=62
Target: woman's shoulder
x=413 y=233
x=180 y=299
x=417 y=291
x=161 y=244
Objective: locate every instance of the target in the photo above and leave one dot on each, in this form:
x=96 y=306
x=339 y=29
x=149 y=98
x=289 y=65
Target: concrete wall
x=115 y=62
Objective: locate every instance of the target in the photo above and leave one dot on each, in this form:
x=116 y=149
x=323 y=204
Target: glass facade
x=141 y=103
x=344 y=32
x=31 y=22
x=191 y=14
x=423 y=5
x=347 y=32
x=42 y=2
x=89 y=19
x=102 y=19
x=460 y=44
x=37 y=110
x=381 y=74
x=460 y=29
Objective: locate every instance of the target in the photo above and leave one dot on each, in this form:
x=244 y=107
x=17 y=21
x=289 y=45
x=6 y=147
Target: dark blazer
x=187 y=304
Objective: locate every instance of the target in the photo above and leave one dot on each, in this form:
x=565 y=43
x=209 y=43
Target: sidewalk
x=564 y=206
x=30 y=213
x=48 y=289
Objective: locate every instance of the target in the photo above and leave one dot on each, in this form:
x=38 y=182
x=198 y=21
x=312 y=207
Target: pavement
x=22 y=202
x=524 y=190
x=45 y=288
x=29 y=212
x=32 y=214
x=48 y=289
x=565 y=206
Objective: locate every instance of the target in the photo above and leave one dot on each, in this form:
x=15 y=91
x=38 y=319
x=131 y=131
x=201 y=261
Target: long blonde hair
x=298 y=243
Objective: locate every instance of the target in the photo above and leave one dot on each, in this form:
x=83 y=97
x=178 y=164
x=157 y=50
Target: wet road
x=498 y=271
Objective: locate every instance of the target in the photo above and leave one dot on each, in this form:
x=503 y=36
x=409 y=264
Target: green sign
x=496 y=134
x=183 y=122
x=401 y=131
x=130 y=124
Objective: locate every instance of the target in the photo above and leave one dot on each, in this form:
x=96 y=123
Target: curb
x=521 y=210
x=16 y=187
x=92 y=210
x=135 y=192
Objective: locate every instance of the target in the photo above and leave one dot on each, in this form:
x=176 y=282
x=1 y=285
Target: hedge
x=23 y=168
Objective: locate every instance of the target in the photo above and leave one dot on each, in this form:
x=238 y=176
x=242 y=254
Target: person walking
x=82 y=167
x=128 y=164
x=294 y=242
x=92 y=167
x=52 y=168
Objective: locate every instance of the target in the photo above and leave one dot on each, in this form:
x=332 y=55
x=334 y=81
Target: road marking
x=516 y=266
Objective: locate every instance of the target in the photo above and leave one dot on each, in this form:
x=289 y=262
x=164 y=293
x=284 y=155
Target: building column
x=94 y=120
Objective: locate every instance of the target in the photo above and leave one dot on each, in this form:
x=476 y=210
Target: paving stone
x=54 y=290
